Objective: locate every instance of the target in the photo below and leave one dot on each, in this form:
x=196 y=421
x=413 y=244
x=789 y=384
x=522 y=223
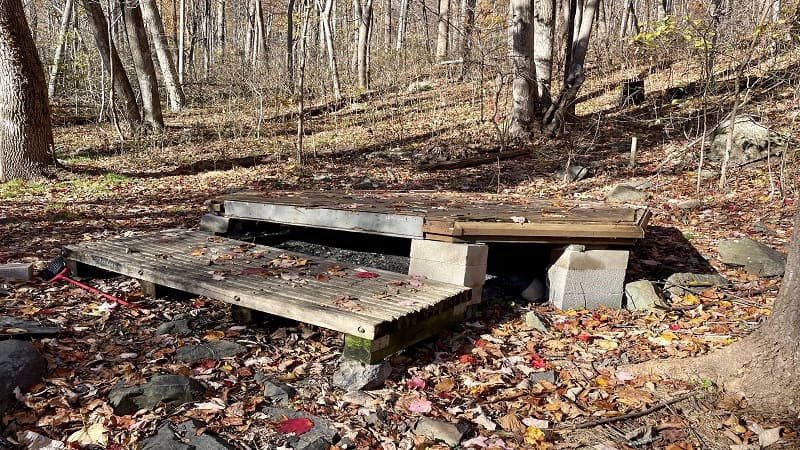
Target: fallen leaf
x=766 y=437
x=95 y=434
x=479 y=441
x=446 y=385
x=361 y=273
x=420 y=406
x=36 y=441
x=416 y=383
x=518 y=219
x=214 y=335
x=297 y=426
x=534 y=436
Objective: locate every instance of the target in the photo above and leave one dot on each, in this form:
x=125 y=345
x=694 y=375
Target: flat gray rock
x=211 y=350
x=21 y=365
x=11 y=326
x=533 y=321
x=354 y=375
x=679 y=284
x=642 y=295
x=535 y=292
x=184 y=437
x=440 y=430
x=320 y=437
x=625 y=194
x=276 y=392
x=757 y=258
x=178 y=327
x=171 y=390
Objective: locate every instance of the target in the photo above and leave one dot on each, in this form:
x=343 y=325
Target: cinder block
x=448 y=273
x=588 y=279
x=16 y=271
x=450 y=253
x=214 y=223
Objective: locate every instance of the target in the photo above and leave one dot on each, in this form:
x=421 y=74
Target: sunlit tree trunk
x=544 y=14
x=327 y=36
x=181 y=40
x=58 y=55
x=155 y=27
x=442 y=36
x=387 y=25
x=219 y=28
x=26 y=137
x=364 y=26
x=402 y=21
x=143 y=63
x=113 y=63
x=290 y=43
x=523 y=88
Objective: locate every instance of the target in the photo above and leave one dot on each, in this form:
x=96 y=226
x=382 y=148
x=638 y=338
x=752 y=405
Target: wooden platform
x=443 y=216
x=380 y=312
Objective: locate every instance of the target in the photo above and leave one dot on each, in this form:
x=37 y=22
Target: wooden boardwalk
x=380 y=312
x=443 y=216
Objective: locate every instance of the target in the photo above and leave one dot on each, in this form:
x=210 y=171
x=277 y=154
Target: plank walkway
x=443 y=216
x=380 y=312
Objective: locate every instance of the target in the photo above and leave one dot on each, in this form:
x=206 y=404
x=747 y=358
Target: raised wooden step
x=380 y=312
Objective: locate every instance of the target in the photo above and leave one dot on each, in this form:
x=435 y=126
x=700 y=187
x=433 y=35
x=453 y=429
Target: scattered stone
x=533 y=321
x=691 y=203
x=625 y=194
x=320 y=437
x=376 y=418
x=184 y=437
x=679 y=284
x=276 y=392
x=322 y=178
x=211 y=350
x=757 y=258
x=708 y=174
x=572 y=173
x=419 y=86
x=643 y=295
x=177 y=327
x=21 y=366
x=11 y=326
x=352 y=375
x=171 y=390
x=440 y=430
x=751 y=141
x=547 y=375
x=535 y=292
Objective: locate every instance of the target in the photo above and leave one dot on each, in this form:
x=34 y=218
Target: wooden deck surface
x=444 y=216
x=311 y=290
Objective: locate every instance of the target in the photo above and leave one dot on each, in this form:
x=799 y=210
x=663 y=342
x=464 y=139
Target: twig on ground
x=631 y=415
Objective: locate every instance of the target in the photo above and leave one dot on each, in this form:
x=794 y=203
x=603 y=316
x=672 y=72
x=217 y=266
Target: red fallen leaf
x=365 y=274
x=537 y=362
x=445 y=395
x=674 y=327
x=416 y=383
x=584 y=337
x=480 y=343
x=467 y=359
x=297 y=426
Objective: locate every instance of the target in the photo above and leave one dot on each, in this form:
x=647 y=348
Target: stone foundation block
x=461 y=264
x=588 y=279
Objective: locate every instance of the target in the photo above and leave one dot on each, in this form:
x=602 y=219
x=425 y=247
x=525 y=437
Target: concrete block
x=448 y=273
x=450 y=253
x=214 y=223
x=16 y=271
x=588 y=279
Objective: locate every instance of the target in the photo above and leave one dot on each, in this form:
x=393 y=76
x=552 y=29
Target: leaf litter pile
x=505 y=382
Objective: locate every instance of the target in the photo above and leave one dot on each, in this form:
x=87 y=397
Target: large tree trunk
x=155 y=27
x=762 y=366
x=364 y=26
x=66 y=19
x=523 y=88
x=387 y=25
x=544 y=15
x=290 y=44
x=443 y=32
x=402 y=20
x=327 y=36
x=26 y=137
x=143 y=63
x=574 y=75
x=467 y=26
x=113 y=63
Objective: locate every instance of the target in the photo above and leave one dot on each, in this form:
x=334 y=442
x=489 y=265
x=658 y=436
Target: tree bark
x=544 y=15
x=26 y=137
x=364 y=26
x=219 y=29
x=327 y=36
x=113 y=63
x=443 y=32
x=402 y=20
x=523 y=88
x=387 y=25
x=181 y=40
x=58 y=55
x=467 y=25
x=762 y=366
x=155 y=26
x=143 y=63
x=290 y=43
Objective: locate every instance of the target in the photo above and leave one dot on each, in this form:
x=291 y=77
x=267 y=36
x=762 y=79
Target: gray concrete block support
x=588 y=279
x=455 y=263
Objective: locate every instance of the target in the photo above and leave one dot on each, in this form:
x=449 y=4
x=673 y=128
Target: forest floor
x=476 y=372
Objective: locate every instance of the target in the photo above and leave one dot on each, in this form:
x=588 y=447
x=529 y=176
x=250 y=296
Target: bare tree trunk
x=544 y=15
x=364 y=27
x=172 y=79
x=327 y=36
x=554 y=116
x=219 y=29
x=112 y=62
x=402 y=20
x=58 y=56
x=143 y=63
x=290 y=43
x=26 y=137
x=467 y=26
x=442 y=35
x=387 y=25
x=523 y=89
x=259 y=40
x=181 y=41
x=301 y=82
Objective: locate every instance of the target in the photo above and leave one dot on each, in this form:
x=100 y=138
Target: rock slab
x=625 y=194
x=682 y=283
x=354 y=375
x=184 y=437
x=642 y=295
x=171 y=390
x=440 y=430
x=212 y=350
x=320 y=437
x=21 y=365
x=757 y=258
